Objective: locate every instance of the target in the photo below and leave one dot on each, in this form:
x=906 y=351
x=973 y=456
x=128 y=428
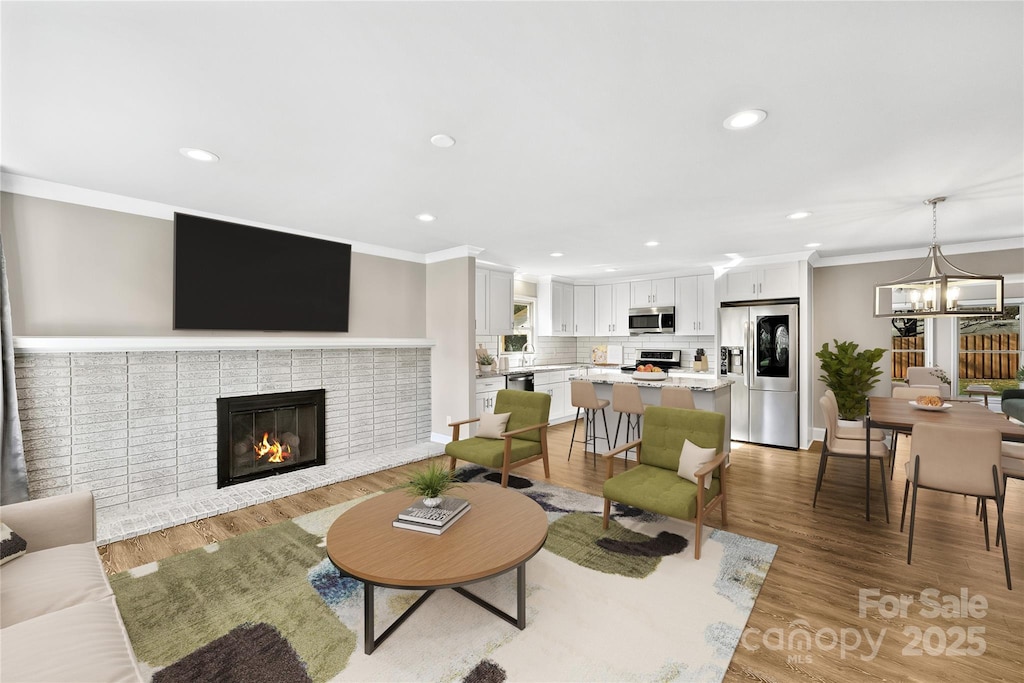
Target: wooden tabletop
x=502 y=529
x=898 y=413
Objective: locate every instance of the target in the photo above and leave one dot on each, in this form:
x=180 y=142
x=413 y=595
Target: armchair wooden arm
x=609 y=457
x=542 y=425
x=711 y=465
x=455 y=426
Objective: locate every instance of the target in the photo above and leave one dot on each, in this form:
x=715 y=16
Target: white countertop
x=695 y=381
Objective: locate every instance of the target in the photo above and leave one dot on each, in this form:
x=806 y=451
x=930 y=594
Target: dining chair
x=919 y=377
x=626 y=401
x=834 y=447
x=584 y=397
x=677 y=397
x=953 y=459
x=908 y=393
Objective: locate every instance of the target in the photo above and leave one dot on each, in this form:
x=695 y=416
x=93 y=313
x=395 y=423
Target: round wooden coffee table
x=502 y=530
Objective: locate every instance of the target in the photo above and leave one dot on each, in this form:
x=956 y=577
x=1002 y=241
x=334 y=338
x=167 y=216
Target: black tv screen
x=237 y=277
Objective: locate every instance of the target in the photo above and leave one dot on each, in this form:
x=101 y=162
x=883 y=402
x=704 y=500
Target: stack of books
x=435 y=520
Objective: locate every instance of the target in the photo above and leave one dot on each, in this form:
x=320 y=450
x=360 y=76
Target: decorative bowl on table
x=922 y=406
x=648 y=375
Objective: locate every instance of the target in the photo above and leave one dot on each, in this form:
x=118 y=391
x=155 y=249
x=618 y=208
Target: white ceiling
x=581 y=127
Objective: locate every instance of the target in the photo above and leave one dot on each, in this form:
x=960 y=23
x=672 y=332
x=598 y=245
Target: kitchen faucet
x=528 y=349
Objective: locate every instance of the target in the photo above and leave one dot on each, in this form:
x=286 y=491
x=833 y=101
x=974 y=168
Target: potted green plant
x=432 y=483
x=486 y=362
x=850 y=374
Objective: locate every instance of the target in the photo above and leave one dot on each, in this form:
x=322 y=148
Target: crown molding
x=59 y=192
x=463 y=251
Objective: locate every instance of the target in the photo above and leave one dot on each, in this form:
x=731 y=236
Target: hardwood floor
x=827 y=556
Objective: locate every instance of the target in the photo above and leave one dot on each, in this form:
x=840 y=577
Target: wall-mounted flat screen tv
x=237 y=277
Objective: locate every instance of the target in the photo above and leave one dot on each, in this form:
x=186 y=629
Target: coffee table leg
x=369 y=644
x=521 y=596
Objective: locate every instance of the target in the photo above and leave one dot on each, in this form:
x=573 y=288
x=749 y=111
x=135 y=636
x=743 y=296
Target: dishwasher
x=522 y=381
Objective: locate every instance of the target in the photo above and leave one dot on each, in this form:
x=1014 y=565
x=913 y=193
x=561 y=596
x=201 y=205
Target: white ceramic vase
x=432 y=502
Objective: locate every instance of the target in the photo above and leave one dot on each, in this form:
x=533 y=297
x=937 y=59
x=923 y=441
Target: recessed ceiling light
x=556 y=254
x=426 y=217
x=745 y=119
x=199 y=154
x=611 y=270
x=652 y=243
x=812 y=245
x=797 y=215
x=442 y=140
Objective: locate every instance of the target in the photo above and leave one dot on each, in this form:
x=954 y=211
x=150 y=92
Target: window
x=908 y=346
x=989 y=350
x=522 y=323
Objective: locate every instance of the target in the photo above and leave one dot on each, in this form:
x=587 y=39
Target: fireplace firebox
x=267 y=434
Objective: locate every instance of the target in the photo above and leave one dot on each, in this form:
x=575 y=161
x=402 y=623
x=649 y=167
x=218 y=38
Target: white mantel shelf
x=188 y=343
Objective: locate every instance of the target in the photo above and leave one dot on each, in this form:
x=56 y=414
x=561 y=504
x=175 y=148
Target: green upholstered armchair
x=654 y=484
x=524 y=440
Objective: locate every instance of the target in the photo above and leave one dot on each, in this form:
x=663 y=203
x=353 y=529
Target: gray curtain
x=13 y=479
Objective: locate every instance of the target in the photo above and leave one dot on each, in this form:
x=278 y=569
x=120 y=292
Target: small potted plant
x=432 y=483
x=850 y=373
x=486 y=362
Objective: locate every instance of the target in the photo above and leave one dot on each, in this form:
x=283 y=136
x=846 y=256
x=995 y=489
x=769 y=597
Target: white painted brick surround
x=138 y=428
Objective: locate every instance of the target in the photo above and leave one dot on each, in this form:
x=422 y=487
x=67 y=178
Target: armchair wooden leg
x=504 y=478
x=607 y=512
x=700 y=531
x=721 y=486
x=451 y=463
x=544 y=452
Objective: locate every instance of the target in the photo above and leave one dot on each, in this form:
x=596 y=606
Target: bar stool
x=584 y=397
x=626 y=401
x=677 y=397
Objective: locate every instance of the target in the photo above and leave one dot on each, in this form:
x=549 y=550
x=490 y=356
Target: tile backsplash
x=569 y=350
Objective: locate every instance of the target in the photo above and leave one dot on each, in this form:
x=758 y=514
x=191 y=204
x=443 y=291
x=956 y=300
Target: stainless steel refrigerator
x=759 y=352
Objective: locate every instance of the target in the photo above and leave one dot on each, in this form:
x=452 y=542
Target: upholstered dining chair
x=919 y=377
x=908 y=393
x=953 y=459
x=626 y=401
x=677 y=397
x=523 y=440
x=657 y=482
x=834 y=447
x=584 y=397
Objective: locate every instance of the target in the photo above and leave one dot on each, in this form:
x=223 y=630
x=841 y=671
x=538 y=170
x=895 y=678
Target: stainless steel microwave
x=661 y=320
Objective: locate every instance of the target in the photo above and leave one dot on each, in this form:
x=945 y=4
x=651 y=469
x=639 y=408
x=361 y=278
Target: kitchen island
x=709 y=391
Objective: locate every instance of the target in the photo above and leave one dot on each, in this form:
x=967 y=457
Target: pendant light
x=937 y=287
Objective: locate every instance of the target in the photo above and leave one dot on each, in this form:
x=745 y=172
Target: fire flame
x=275 y=450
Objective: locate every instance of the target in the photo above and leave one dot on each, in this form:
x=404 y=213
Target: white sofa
x=58 y=617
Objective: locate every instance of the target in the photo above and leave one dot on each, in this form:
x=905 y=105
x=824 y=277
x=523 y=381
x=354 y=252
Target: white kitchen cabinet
x=695 y=305
x=583 y=310
x=556 y=385
x=772 y=281
x=494 y=304
x=611 y=310
x=487 y=389
x=650 y=293
x=554 y=308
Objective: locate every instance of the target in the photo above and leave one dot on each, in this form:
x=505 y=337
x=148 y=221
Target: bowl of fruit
x=649 y=372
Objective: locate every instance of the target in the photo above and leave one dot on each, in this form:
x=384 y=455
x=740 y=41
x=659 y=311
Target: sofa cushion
x=491 y=452
x=83 y=643
x=50 y=580
x=12 y=546
x=658 y=490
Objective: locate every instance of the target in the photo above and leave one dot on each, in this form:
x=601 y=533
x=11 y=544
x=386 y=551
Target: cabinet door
x=583 y=310
x=640 y=295
x=499 y=302
x=620 y=309
x=687 y=305
x=738 y=285
x=481 y=301
x=604 y=312
x=663 y=292
x=778 y=280
x=707 y=316
x=558 y=399
x=565 y=291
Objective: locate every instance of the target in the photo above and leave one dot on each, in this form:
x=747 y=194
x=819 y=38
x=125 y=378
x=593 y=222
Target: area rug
x=627 y=604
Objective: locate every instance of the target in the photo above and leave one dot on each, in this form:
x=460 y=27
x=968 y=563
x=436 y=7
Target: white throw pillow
x=692 y=459
x=12 y=546
x=491 y=425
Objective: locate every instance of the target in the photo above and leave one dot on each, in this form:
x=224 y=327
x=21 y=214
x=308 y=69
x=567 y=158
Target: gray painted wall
x=844 y=307
x=80 y=271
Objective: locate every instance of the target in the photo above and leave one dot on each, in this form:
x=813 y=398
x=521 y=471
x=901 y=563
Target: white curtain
x=13 y=478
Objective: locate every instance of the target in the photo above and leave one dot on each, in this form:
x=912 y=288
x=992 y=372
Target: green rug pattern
x=269 y=606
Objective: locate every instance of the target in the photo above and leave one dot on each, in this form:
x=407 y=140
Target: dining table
x=901 y=415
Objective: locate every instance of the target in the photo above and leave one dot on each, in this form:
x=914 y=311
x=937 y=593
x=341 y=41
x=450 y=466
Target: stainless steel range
x=660 y=358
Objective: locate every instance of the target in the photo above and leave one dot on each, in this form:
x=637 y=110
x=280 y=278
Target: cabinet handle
x=753 y=289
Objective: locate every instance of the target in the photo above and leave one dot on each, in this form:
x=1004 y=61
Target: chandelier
x=937 y=287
